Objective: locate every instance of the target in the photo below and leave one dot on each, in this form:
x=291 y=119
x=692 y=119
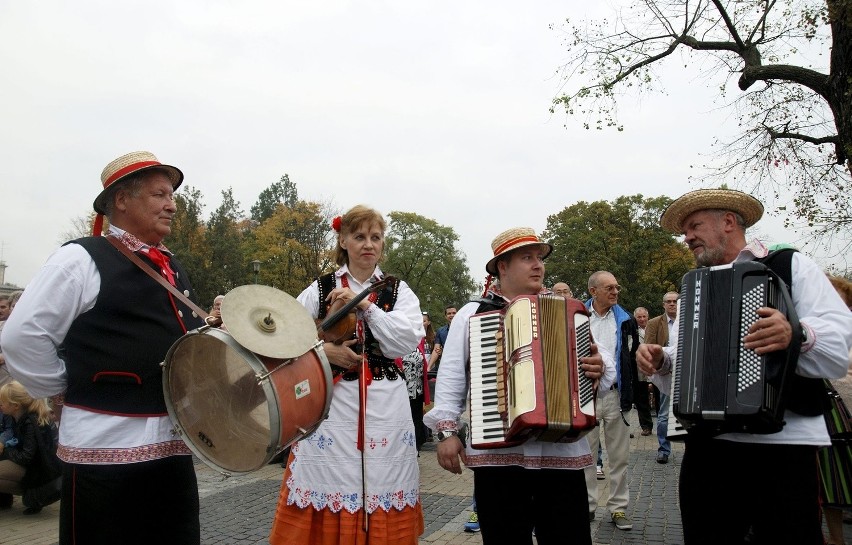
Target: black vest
x=806 y=394
x=113 y=352
x=380 y=366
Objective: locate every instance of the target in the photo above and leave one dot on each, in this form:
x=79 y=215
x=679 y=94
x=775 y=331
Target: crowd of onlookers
x=650 y=403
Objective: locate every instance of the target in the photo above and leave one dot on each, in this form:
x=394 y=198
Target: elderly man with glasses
x=563 y=289
x=614 y=328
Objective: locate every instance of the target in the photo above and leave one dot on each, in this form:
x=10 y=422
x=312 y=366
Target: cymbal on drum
x=268 y=321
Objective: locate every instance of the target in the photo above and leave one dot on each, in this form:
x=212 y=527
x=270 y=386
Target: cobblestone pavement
x=239 y=510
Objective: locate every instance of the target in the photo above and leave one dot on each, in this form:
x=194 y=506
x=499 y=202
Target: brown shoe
x=646 y=431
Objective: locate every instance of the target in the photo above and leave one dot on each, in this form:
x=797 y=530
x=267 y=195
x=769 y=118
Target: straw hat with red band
x=514 y=238
x=743 y=204
x=120 y=170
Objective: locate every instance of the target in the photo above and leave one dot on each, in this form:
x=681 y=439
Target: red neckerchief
x=366 y=374
x=359 y=332
x=162 y=261
x=132 y=242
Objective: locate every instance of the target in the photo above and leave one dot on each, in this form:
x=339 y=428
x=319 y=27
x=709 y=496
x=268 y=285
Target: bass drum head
x=214 y=399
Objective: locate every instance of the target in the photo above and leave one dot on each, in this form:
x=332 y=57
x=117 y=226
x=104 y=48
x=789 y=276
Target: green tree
x=187 y=241
x=224 y=263
x=623 y=237
x=796 y=121
x=294 y=245
x=424 y=253
x=281 y=192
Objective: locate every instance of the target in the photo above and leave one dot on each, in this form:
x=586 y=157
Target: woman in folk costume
x=342 y=486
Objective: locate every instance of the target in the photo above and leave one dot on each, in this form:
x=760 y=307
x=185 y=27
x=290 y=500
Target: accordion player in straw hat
x=782 y=466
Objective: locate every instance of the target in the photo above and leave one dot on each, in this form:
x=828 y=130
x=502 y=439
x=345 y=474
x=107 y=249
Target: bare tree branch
x=796 y=126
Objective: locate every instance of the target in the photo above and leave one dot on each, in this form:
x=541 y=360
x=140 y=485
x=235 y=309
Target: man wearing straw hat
x=536 y=485
x=127 y=478
x=739 y=483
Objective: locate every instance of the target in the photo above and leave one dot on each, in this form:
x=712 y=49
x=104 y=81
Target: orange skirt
x=307 y=526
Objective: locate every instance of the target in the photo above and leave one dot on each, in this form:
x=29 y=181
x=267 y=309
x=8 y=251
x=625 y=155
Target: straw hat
x=707 y=199
x=514 y=238
x=126 y=165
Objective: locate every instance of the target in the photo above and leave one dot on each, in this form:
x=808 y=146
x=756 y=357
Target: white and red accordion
x=718 y=385
x=525 y=375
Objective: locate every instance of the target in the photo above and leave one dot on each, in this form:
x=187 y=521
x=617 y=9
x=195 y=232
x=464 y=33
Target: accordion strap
x=489 y=303
x=805 y=393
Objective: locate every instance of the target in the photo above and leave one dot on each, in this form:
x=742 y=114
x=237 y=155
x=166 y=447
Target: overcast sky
x=438 y=107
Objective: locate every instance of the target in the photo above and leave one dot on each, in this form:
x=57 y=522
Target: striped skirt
x=835 y=467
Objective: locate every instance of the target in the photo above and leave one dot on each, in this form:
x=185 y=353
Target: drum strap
x=156 y=276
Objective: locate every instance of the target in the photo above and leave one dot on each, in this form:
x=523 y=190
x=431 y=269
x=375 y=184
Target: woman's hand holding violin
x=342 y=355
x=340 y=296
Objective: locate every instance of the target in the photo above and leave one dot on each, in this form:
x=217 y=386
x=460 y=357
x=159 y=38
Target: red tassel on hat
x=488 y=281
x=98 y=225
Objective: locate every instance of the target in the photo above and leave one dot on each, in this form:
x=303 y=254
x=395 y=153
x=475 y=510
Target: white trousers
x=617 y=446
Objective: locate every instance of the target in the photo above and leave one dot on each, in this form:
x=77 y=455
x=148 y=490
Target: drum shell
x=235 y=409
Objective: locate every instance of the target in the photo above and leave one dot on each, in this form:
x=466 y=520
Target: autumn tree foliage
x=624 y=237
x=293 y=242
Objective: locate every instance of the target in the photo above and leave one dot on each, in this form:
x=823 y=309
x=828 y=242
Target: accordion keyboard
x=487 y=397
x=584 y=349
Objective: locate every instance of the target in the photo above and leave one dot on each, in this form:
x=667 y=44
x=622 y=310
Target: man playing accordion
x=764 y=486
x=534 y=485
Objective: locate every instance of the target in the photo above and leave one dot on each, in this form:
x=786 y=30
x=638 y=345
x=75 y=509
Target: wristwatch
x=804 y=334
x=446 y=434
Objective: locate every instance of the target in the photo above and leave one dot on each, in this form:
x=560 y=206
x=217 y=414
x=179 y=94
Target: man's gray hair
x=593 y=280
x=721 y=212
x=132 y=184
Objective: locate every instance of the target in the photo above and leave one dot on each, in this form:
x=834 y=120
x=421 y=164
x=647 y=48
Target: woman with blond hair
x=28 y=461
x=343 y=486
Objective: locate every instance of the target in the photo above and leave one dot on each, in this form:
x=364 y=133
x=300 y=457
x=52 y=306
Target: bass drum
x=236 y=409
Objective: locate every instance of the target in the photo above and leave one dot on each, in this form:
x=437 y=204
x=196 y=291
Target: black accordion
x=718 y=385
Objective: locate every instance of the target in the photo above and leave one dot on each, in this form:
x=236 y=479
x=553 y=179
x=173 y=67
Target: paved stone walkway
x=239 y=510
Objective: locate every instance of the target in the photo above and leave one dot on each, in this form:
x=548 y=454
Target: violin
x=340 y=323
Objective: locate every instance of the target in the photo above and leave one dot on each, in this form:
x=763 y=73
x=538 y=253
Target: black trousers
x=728 y=490
x=642 y=400
x=417 y=419
x=148 y=503
x=512 y=501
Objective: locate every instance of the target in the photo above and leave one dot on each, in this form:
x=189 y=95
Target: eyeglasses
x=610 y=289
